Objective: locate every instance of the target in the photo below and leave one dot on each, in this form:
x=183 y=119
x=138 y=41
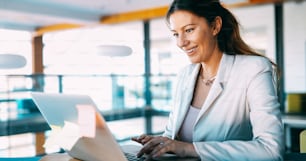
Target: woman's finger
x=161 y=149
x=149 y=146
x=142 y=139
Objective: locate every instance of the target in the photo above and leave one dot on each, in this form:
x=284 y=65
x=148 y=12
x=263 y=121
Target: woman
x=225 y=105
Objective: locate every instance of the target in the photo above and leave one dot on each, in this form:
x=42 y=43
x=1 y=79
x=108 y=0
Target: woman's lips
x=190 y=51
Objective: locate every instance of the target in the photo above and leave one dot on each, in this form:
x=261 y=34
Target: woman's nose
x=181 y=41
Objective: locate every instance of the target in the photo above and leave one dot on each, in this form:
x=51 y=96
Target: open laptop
x=57 y=108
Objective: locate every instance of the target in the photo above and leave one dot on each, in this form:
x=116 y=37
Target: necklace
x=208 y=81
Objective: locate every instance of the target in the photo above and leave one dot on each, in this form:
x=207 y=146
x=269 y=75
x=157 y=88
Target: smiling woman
x=220 y=119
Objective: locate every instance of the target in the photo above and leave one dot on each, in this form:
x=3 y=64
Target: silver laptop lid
x=57 y=108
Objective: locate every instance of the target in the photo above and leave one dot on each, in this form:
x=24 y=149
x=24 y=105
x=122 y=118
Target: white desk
x=292 y=121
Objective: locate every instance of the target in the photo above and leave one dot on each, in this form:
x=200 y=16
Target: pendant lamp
x=114 y=50
x=12 y=61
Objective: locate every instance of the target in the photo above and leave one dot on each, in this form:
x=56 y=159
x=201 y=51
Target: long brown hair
x=229 y=39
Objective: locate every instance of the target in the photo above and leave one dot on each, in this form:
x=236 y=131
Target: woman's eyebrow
x=183 y=27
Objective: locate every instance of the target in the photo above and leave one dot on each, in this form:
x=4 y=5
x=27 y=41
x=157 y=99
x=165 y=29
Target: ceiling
x=33 y=15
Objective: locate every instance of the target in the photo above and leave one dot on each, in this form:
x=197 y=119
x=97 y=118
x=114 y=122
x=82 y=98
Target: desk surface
x=287 y=157
x=23 y=123
x=295 y=157
x=298 y=121
x=21 y=159
x=34 y=122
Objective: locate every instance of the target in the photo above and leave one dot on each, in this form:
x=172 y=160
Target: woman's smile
x=190 y=51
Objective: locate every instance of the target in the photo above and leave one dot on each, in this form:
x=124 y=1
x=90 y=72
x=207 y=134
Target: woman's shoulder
x=253 y=61
x=249 y=66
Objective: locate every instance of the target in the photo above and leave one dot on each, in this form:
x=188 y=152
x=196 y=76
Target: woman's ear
x=217 y=25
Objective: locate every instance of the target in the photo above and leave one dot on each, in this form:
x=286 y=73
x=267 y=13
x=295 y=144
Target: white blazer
x=240 y=119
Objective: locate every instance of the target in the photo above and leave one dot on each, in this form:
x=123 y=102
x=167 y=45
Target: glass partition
x=76 y=51
x=295 y=68
x=258 y=27
x=16 y=42
x=295 y=46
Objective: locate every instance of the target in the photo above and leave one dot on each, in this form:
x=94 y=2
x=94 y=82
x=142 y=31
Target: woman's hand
x=142 y=139
x=157 y=146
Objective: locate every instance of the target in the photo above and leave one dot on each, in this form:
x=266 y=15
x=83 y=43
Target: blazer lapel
x=186 y=98
x=218 y=86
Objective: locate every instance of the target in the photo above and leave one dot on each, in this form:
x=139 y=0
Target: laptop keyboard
x=133 y=157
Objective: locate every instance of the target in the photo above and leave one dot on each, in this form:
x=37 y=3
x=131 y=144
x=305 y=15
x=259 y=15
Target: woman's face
x=194 y=35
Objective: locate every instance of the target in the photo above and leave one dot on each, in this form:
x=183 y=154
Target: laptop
x=59 y=108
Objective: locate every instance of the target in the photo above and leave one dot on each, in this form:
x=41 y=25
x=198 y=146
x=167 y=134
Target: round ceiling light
x=12 y=61
x=114 y=50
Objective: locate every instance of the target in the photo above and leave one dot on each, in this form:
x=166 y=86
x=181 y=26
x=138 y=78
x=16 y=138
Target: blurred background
x=62 y=44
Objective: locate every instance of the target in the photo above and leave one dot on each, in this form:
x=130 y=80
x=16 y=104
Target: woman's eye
x=189 y=30
x=175 y=34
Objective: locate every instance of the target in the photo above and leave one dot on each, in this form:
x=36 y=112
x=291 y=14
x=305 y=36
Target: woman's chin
x=193 y=61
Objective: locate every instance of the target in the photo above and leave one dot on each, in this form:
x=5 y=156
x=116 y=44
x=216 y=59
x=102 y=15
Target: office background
x=126 y=88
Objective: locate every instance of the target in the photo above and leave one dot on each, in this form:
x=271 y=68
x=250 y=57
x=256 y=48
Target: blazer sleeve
x=180 y=82
x=265 y=118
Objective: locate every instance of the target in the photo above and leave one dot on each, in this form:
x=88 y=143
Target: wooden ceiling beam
x=57 y=27
x=252 y=3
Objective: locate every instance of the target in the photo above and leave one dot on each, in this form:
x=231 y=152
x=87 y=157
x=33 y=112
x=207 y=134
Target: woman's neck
x=210 y=68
